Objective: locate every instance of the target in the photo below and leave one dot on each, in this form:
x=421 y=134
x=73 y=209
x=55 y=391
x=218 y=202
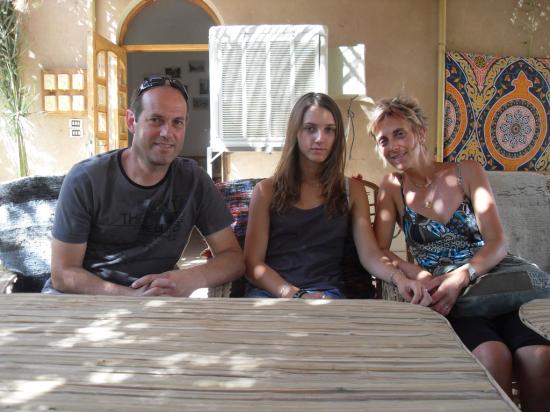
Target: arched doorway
x=176 y=35
x=156 y=37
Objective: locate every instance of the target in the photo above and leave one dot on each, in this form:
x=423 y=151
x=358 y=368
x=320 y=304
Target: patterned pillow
x=237 y=195
x=27 y=208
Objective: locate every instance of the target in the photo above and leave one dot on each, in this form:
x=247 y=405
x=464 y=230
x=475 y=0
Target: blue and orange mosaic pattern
x=497 y=111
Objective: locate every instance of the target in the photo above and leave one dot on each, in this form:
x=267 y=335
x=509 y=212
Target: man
x=124 y=217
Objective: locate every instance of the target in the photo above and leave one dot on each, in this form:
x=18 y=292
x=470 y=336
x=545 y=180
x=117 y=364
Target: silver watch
x=472 y=274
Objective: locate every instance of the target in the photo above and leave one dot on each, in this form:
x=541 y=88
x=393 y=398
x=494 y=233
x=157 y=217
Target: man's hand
x=161 y=284
x=445 y=290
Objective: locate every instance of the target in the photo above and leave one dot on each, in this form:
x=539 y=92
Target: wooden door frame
x=203 y=4
x=135 y=48
x=93 y=113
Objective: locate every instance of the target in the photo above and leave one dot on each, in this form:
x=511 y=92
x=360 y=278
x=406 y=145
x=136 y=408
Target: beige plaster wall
x=55 y=37
x=485 y=26
x=401 y=54
x=401 y=38
x=110 y=14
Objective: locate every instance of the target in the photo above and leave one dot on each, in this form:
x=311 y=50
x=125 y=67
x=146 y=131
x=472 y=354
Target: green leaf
x=15 y=97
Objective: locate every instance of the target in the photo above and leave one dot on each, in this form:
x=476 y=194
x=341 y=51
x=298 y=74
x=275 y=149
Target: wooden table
x=91 y=353
x=536 y=315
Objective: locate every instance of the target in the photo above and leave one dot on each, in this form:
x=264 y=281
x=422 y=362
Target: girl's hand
x=424 y=276
x=413 y=291
x=314 y=295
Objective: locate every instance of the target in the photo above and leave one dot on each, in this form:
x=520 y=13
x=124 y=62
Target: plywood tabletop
x=536 y=315
x=95 y=353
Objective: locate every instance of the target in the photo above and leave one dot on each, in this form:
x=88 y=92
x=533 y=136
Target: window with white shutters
x=256 y=75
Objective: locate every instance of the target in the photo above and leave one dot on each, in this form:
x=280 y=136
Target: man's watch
x=472 y=274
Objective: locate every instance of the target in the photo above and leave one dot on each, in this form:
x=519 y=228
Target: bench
x=27 y=208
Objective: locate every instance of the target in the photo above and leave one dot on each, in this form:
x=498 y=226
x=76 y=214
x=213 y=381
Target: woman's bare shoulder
x=472 y=170
x=354 y=182
x=265 y=184
x=264 y=188
x=471 y=165
x=391 y=181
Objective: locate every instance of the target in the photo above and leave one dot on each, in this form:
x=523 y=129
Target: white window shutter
x=256 y=75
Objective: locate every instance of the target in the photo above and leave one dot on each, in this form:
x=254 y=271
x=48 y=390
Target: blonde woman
x=450 y=220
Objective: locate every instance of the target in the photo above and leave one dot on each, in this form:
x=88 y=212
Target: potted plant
x=15 y=97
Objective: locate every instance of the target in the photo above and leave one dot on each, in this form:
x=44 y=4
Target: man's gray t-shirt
x=132 y=230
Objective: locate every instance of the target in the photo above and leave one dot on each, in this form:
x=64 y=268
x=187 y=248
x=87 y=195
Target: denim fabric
x=252 y=292
x=511 y=283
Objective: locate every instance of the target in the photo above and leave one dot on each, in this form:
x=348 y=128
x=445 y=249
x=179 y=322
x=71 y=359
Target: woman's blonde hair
x=406 y=107
x=287 y=176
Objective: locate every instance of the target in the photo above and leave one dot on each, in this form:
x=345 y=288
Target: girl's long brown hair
x=287 y=178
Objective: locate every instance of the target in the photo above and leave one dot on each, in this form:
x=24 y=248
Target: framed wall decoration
x=197 y=66
x=497 y=111
x=200 y=103
x=173 y=72
x=204 y=87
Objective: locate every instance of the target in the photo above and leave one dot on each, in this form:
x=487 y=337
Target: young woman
x=298 y=218
x=450 y=220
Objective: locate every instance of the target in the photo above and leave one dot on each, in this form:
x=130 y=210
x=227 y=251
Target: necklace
x=422 y=186
x=429 y=204
x=429 y=201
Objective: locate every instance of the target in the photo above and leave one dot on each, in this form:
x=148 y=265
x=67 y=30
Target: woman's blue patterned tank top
x=434 y=244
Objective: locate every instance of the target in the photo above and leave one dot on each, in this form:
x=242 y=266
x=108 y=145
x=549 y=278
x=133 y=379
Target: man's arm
x=227 y=264
x=69 y=276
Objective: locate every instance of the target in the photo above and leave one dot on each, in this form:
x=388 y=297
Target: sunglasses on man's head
x=157 y=81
